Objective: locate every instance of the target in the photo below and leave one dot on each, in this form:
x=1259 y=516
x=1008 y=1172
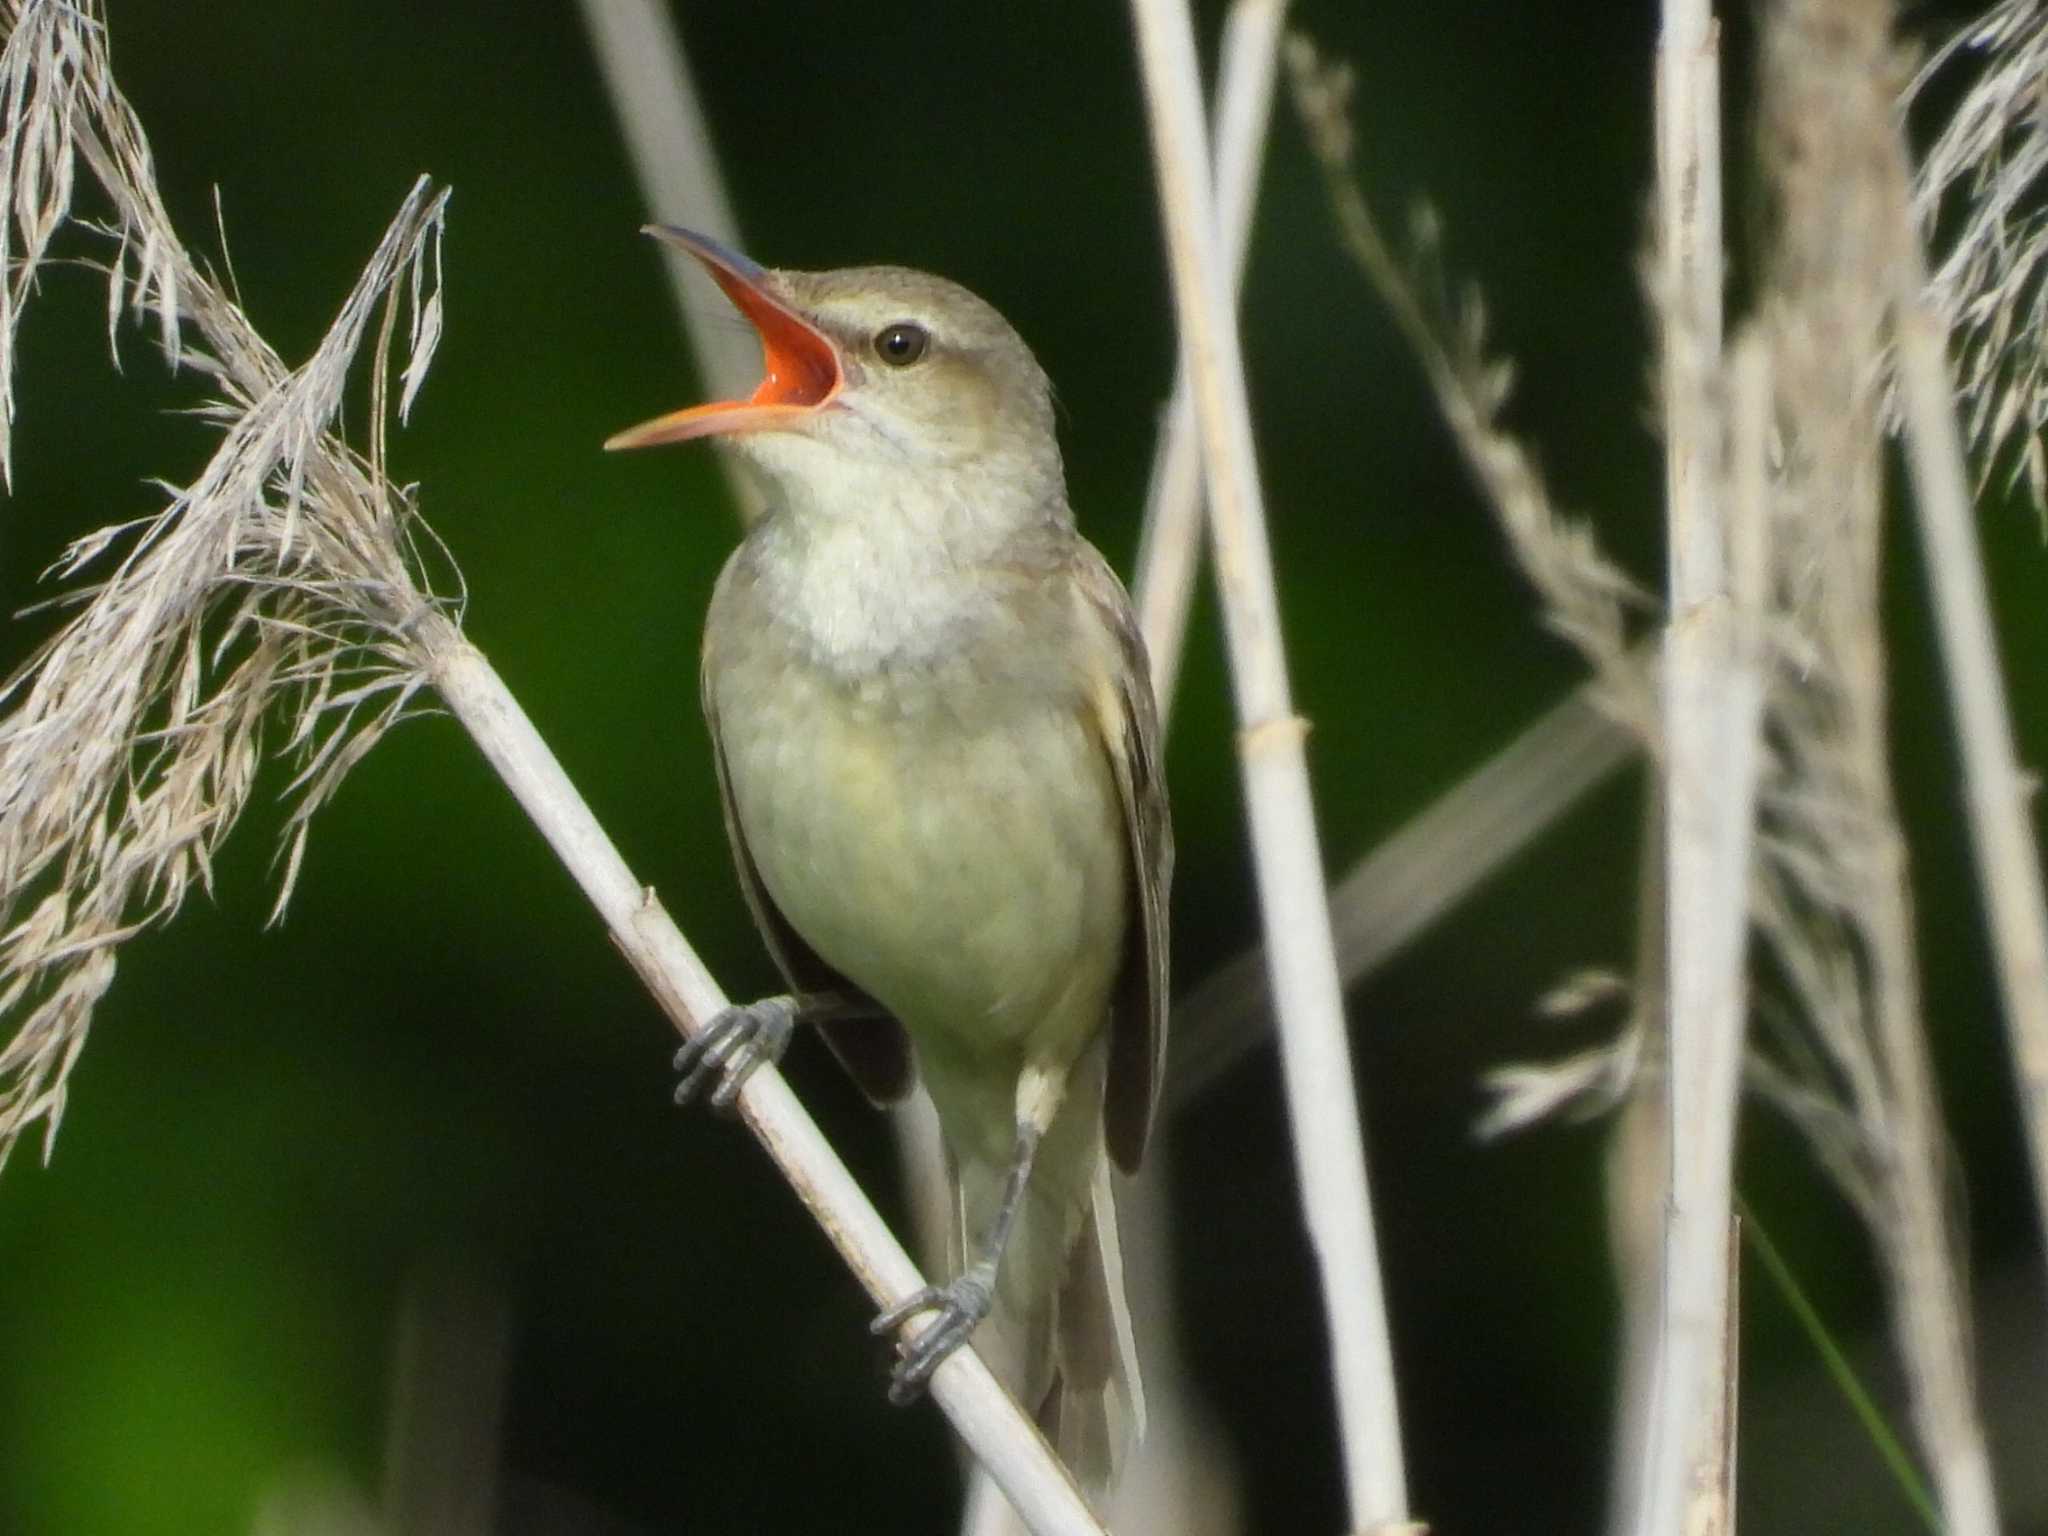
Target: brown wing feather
x=1129 y=720
x=872 y=1046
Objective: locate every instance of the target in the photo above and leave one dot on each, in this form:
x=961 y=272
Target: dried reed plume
x=1985 y=173
x=1587 y=599
x=274 y=592
x=1833 y=903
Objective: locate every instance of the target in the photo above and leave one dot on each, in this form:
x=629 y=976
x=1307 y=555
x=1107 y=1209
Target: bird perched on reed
x=938 y=750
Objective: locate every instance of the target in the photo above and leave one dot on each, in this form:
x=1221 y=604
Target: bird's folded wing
x=1120 y=696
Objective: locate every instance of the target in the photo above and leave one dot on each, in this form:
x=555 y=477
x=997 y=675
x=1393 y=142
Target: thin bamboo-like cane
x=998 y=1433
x=1712 y=697
x=1930 y=1302
x=1176 y=1481
x=1183 y=1477
x=1169 y=549
x=1321 y=1093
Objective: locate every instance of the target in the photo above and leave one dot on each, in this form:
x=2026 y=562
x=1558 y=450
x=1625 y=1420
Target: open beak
x=799 y=365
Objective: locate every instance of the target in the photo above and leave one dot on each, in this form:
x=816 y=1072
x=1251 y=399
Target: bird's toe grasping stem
x=961 y=1306
x=734 y=1043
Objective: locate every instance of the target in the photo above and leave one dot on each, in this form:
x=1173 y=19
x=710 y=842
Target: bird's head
x=876 y=381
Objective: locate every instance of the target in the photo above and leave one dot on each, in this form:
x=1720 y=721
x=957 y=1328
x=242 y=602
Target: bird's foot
x=734 y=1044
x=961 y=1306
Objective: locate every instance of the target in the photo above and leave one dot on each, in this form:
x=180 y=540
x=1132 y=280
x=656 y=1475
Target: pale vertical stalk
x=1705 y=1504
x=1997 y=788
x=1850 y=284
x=1178 y=1480
x=1690 y=279
x=1930 y=1303
x=1315 y=1053
x=1712 y=695
x=1000 y=1436
x=647 y=76
x=1181 y=1476
x=1713 y=1512
x=1169 y=548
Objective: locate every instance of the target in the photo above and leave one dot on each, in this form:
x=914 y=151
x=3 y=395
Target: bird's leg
x=744 y=1036
x=963 y=1302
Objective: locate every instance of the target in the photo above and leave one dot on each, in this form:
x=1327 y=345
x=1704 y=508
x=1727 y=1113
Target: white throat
x=876 y=566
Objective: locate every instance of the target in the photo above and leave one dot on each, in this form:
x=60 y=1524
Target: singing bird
x=938 y=750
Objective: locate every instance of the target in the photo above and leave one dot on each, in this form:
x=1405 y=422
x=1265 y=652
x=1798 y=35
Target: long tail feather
x=1095 y=1410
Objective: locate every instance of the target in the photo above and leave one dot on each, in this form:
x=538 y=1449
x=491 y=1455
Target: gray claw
x=731 y=1046
x=961 y=1307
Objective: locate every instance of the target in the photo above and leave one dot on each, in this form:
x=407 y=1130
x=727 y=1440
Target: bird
x=938 y=753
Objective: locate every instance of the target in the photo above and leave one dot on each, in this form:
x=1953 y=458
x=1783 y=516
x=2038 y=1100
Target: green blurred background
x=435 y=1093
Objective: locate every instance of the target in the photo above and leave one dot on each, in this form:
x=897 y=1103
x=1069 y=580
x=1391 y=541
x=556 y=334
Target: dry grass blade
x=283 y=579
x=1587 y=599
x=43 y=75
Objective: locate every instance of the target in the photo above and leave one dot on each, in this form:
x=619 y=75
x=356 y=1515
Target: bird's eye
x=901 y=344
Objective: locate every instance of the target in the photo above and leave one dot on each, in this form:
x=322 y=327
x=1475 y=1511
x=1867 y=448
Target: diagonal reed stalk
x=1391 y=897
